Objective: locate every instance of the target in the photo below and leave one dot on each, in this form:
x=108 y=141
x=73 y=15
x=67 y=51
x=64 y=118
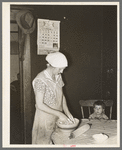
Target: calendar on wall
x=48 y=36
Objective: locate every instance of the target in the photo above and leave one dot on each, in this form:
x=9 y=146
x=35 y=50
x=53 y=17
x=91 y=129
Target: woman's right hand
x=63 y=118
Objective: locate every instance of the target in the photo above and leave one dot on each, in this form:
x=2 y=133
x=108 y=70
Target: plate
x=100 y=137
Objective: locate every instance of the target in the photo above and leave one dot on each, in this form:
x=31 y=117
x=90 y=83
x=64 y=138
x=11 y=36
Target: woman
x=50 y=100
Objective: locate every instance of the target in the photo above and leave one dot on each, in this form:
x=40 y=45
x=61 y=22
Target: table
x=98 y=126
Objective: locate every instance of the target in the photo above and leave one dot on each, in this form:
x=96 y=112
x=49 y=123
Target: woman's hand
x=71 y=118
x=63 y=118
x=66 y=111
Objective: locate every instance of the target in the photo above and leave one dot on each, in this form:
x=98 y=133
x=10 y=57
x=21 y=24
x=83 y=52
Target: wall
x=81 y=43
x=109 y=57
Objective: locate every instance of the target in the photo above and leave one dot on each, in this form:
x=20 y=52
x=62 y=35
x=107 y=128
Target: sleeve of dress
x=39 y=86
x=105 y=117
x=91 y=116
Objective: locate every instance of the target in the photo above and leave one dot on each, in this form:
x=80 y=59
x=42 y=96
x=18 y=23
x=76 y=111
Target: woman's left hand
x=71 y=118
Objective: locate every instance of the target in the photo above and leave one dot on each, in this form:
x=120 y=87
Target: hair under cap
x=57 y=59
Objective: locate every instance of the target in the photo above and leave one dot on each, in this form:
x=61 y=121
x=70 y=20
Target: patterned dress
x=44 y=123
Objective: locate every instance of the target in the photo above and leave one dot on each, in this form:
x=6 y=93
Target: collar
x=50 y=78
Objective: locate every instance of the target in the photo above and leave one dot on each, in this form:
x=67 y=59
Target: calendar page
x=48 y=36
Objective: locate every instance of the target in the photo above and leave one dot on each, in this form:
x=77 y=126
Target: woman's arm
x=40 y=105
x=65 y=107
x=66 y=110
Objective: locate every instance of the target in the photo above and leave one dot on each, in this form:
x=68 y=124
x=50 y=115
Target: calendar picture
x=48 y=36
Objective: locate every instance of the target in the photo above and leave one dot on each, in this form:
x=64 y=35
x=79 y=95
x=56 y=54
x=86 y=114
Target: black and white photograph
x=61 y=72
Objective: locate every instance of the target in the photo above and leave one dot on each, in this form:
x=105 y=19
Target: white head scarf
x=57 y=59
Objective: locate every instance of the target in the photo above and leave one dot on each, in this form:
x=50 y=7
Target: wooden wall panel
x=27 y=91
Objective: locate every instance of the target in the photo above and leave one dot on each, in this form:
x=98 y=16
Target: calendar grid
x=48 y=39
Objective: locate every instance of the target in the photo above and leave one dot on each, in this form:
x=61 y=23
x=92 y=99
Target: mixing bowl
x=67 y=126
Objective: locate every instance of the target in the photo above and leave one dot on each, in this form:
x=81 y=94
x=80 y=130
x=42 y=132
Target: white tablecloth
x=98 y=126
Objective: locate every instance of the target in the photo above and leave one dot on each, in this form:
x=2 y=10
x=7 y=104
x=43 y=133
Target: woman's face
x=58 y=70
